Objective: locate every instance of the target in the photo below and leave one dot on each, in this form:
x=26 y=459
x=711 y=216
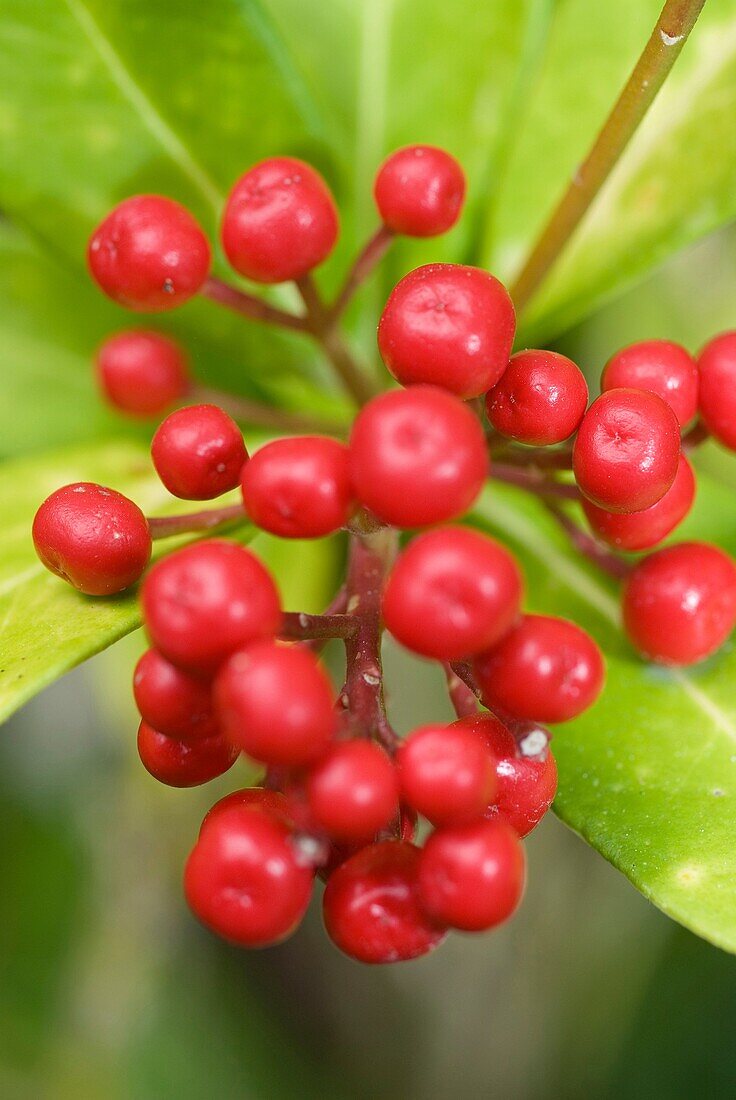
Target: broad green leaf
x=648 y=775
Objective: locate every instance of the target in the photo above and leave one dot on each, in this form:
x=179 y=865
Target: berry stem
x=695 y=436
x=462 y=697
x=670 y=33
x=534 y=482
x=462 y=671
x=297 y=626
x=163 y=527
x=250 y=306
x=261 y=415
x=610 y=563
x=370 y=255
x=539 y=458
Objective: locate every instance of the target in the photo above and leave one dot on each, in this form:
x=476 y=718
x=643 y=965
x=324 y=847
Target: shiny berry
x=353 y=791
x=448 y=325
x=417 y=457
x=207 y=600
x=198 y=452
x=141 y=373
x=452 y=593
x=419 y=191
x=679 y=604
x=371 y=906
x=280 y=221
x=540 y=399
x=717 y=397
x=276 y=703
x=642 y=530
x=244 y=880
x=298 y=487
x=661 y=367
x=472 y=876
x=149 y=254
x=256 y=798
x=183 y=764
x=446 y=774
x=544 y=669
x=626 y=450
x=95 y=538
x=172 y=701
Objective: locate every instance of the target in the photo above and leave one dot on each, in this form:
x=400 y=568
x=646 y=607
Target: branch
x=462 y=697
x=264 y=416
x=695 y=436
x=163 y=527
x=255 y=309
x=534 y=482
x=371 y=254
x=299 y=627
x=610 y=563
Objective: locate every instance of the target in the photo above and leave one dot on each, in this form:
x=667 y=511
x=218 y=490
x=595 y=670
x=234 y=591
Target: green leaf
x=648 y=775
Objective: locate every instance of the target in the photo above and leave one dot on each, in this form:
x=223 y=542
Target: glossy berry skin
x=626 y=450
x=660 y=367
x=679 y=604
x=95 y=538
x=183 y=764
x=371 y=906
x=141 y=373
x=452 y=593
x=149 y=254
x=255 y=798
x=276 y=703
x=172 y=701
x=717 y=396
x=526 y=773
x=545 y=669
x=243 y=879
x=419 y=191
x=642 y=530
x=298 y=487
x=450 y=326
x=353 y=791
x=540 y=399
x=472 y=876
x=280 y=221
x=417 y=457
x=198 y=452
x=205 y=601
x=446 y=774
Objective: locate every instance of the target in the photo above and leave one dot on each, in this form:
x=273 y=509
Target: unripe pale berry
x=243 y=879
x=207 y=600
x=679 y=604
x=417 y=456
x=172 y=701
x=95 y=538
x=661 y=367
x=452 y=593
x=298 y=487
x=544 y=669
x=450 y=326
x=141 y=373
x=419 y=191
x=717 y=397
x=642 y=530
x=255 y=798
x=540 y=399
x=280 y=221
x=472 y=876
x=446 y=774
x=353 y=791
x=626 y=450
x=149 y=254
x=183 y=764
x=371 y=906
x=198 y=452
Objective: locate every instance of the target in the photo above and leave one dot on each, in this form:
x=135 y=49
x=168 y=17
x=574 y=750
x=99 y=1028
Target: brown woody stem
x=299 y=627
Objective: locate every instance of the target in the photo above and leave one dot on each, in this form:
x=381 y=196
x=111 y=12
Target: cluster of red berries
x=230 y=672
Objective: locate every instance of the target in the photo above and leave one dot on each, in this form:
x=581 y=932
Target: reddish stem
x=464 y=673
x=298 y=626
x=372 y=253
x=462 y=698
x=695 y=436
x=610 y=563
x=534 y=482
x=539 y=458
x=162 y=527
x=261 y=415
x=248 y=305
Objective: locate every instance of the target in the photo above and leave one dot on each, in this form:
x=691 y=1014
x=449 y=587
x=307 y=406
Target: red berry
x=149 y=254
x=540 y=399
x=207 y=600
x=141 y=373
x=276 y=703
x=94 y=538
x=526 y=773
x=642 y=530
x=255 y=798
x=183 y=764
x=419 y=191
x=679 y=604
x=472 y=876
x=717 y=398
x=198 y=452
x=544 y=669
x=448 y=325
x=280 y=221
x=452 y=593
x=661 y=367
x=244 y=880
x=172 y=701
x=353 y=791
x=298 y=487
x=371 y=906
x=626 y=451
x=446 y=773
x=417 y=457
